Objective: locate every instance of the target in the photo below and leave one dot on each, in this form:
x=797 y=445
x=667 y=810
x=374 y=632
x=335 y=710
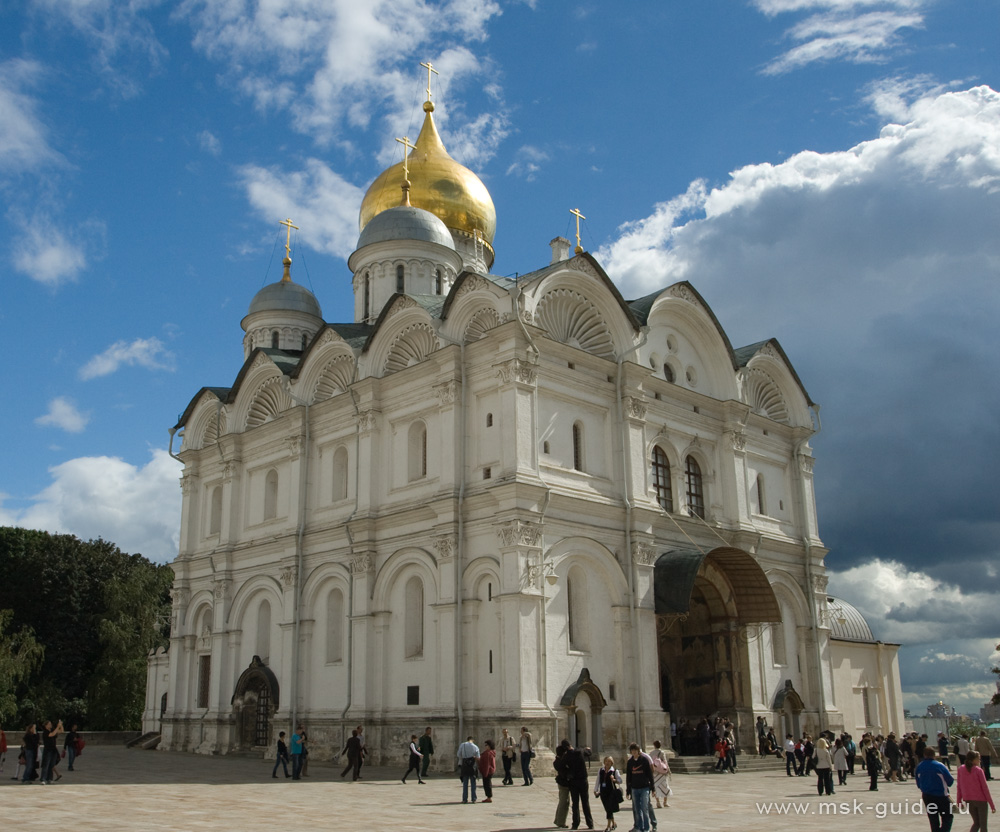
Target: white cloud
x=209 y=142
x=24 y=144
x=118 y=32
x=527 y=162
x=143 y=352
x=324 y=205
x=336 y=62
x=136 y=507
x=858 y=31
x=64 y=414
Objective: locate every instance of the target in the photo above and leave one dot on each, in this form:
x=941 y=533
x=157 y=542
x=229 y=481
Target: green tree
x=20 y=654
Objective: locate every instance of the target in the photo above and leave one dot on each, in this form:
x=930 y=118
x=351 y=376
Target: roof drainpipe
x=299 y=534
x=630 y=563
x=810 y=587
x=460 y=551
x=350 y=544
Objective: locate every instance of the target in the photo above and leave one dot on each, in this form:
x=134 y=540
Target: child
x=282 y=757
x=874 y=765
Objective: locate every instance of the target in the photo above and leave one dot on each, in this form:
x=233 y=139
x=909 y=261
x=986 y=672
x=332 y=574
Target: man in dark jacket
x=559 y=764
x=579 y=786
x=933 y=780
x=353 y=752
x=638 y=782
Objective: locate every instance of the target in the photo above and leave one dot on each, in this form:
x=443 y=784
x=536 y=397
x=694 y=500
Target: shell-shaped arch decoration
x=484 y=320
x=764 y=397
x=411 y=346
x=214 y=428
x=336 y=378
x=571 y=318
x=269 y=401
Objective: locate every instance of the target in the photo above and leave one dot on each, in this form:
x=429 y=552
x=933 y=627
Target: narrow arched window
x=264 y=632
x=779 y=652
x=400 y=279
x=438 y=282
x=367 y=298
x=759 y=489
x=335 y=626
x=274 y=339
x=340 y=474
x=576 y=609
x=695 y=489
x=578 y=446
x=414 y=619
x=271 y=495
x=215 y=511
x=305 y=341
x=661 y=479
x=417 y=452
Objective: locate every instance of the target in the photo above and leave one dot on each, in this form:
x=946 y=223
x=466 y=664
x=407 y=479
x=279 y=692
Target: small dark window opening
x=668 y=373
x=204 y=677
x=368 y=298
x=545 y=447
x=611 y=691
x=274 y=340
x=765 y=433
x=657 y=396
x=487 y=473
x=491 y=661
x=571 y=365
x=489 y=420
x=438 y=282
x=489 y=592
x=305 y=341
x=400 y=280
x=695 y=409
x=578 y=447
x=413 y=694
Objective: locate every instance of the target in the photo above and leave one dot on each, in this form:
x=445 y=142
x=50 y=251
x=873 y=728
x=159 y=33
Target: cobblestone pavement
x=114 y=789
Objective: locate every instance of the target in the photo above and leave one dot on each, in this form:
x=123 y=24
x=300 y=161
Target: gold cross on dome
x=430 y=68
x=576 y=213
x=288 y=239
x=405 y=141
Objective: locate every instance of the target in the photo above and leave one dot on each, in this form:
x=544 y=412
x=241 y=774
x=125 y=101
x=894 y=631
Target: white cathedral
x=489 y=503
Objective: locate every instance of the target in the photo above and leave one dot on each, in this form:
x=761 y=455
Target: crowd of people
x=38 y=756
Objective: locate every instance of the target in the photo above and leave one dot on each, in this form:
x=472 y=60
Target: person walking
x=562 y=784
x=791 y=766
x=305 y=755
x=974 y=791
x=282 y=757
x=638 y=782
x=297 y=753
x=426 y=748
x=933 y=780
x=661 y=775
x=823 y=763
x=508 y=754
x=70 y=745
x=942 y=744
x=364 y=749
x=986 y=753
x=527 y=752
x=840 y=761
x=353 y=751
x=487 y=768
x=607 y=787
x=468 y=754
x=893 y=756
x=415 y=757
x=962 y=747
x=50 y=749
x=579 y=786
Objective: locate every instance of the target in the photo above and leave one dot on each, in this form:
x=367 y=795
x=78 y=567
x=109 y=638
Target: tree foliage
x=96 y=611
x=20 y=654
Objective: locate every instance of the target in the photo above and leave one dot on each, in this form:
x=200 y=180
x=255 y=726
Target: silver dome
x=847 y=623
x=285 y=296
x=405 y=222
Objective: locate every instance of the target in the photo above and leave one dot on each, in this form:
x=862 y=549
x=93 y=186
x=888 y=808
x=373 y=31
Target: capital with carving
x=447 y=393
x=287 y=577
x=362 y=564
x=516 y=370
x=519 y=533
x=445 y=546
x=806 y=463
x=643 y=553
x=635 y=408
x=221 y=586
x=739 y=440
x=367 y=421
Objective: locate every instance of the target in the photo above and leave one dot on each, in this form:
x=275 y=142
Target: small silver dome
x=285 y=296
x=847 y=623
x=405 y=222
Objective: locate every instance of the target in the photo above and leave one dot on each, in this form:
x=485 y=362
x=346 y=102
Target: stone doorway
x=584 y=704
x=255 y=701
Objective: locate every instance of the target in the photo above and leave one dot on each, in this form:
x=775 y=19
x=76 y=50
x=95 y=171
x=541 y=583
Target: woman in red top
x=487 y=768
x=972 y=789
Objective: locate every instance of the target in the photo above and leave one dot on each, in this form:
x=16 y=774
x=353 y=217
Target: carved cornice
x=516 y=370
x=400 y=305
x=471 y=284
x=519 y=533
x=682 y=292
x=188 y=483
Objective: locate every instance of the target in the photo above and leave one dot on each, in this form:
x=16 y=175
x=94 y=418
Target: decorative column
x=361 y=658
x=518 y=437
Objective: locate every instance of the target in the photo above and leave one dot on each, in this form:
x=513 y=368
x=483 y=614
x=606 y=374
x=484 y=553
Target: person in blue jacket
x=933 y=780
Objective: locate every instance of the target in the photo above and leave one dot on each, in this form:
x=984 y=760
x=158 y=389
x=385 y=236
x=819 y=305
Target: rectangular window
x=413 y=694
x=487 y=473
x=204 y=679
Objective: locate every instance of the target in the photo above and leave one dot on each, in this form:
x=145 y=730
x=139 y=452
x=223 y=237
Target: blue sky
x=826 y=172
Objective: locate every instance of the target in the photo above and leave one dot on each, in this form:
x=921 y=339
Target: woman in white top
x=840 y=762
x=661 y=775
x=824 y=766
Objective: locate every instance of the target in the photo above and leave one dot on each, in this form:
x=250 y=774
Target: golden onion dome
x=438 y=184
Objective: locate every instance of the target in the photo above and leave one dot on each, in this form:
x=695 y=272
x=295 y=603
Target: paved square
x=114 y=789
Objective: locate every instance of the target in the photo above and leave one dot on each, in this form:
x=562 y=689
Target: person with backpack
x=468 y=757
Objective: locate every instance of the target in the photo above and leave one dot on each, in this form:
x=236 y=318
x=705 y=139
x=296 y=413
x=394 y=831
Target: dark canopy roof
x=675 y=572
